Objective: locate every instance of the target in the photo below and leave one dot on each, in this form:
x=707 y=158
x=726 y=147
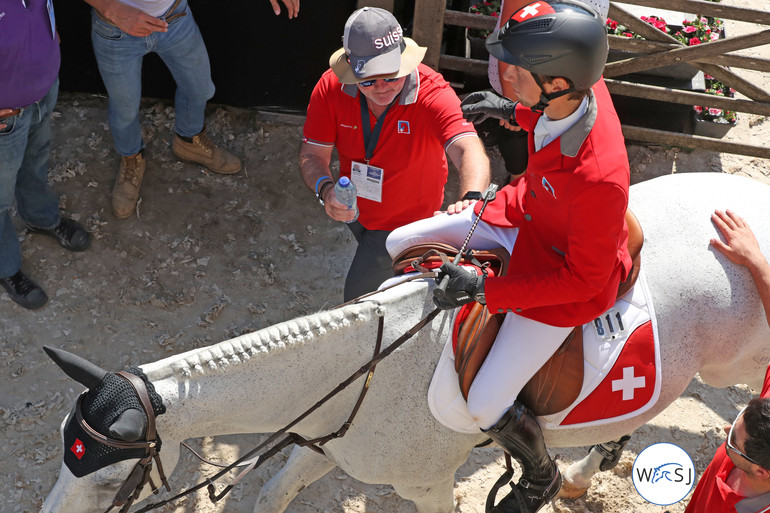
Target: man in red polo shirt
x=392 y=120
x=738 y=480
x=563 y=223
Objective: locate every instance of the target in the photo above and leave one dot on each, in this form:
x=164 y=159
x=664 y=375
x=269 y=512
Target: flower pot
x=475 y=48
x=681 y=71
x=708 y=128
x=657 y=114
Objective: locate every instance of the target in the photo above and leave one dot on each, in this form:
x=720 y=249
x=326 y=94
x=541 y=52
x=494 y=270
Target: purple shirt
x=29 y=53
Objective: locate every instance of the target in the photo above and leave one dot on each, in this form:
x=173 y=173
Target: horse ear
x=129 y=425
x=79 y=369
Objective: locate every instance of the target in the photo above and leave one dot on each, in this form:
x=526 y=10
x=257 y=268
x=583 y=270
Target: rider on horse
x=562 y=222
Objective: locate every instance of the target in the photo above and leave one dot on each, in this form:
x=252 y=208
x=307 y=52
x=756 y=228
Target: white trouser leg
x=522 y=346
x=451 y=229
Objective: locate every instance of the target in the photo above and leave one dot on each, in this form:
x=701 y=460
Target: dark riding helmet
x=558 y=38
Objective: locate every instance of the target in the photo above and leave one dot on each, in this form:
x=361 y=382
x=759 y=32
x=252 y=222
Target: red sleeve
x=320 y=123
x=444 y=111
x=595 y=226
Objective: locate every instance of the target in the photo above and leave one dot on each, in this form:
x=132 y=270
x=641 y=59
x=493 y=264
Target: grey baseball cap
x=373 y=45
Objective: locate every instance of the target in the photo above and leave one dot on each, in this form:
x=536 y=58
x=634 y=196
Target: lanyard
x=371 y=136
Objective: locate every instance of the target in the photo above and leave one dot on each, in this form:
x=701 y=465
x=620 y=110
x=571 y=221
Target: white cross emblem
x=628 y=383
x=530 y=10
x=78 y=448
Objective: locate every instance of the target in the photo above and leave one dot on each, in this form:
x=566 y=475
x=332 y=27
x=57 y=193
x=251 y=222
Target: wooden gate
x=658 y=49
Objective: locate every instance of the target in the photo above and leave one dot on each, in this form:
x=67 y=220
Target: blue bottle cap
x=344 y=181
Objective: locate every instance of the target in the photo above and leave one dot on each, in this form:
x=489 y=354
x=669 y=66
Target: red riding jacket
x=571 y=251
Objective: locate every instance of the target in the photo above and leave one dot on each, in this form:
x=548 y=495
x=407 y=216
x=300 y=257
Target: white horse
x=710 y=320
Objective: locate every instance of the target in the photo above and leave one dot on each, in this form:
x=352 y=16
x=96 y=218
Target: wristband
x=321 y=191
x=319 y=181
x=472 y=195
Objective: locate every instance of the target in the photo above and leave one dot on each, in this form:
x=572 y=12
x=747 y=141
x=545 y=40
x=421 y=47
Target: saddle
x=559 y=381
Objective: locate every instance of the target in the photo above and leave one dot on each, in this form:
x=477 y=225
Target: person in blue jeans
x=29 y=85
x=122 y=33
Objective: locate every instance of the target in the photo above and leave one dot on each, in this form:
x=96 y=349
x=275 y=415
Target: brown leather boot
x=125 y=192
x=519 y=434
x=202 y=150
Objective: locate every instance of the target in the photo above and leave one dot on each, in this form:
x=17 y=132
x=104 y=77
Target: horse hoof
x=570 y=491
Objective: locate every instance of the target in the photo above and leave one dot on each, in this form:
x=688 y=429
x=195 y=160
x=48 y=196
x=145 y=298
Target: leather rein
x=140 y=475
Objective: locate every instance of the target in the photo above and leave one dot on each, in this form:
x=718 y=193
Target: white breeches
x=522 y=345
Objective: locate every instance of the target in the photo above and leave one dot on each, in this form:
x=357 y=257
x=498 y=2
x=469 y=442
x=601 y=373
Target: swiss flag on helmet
x=532 y=10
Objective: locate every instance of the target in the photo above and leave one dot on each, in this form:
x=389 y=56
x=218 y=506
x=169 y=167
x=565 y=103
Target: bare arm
x=314 y=163
x=292 y=7
x=127 y=18
x=470 y=159
x=742 y=248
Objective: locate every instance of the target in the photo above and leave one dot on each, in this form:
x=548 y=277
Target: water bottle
x=345 y=191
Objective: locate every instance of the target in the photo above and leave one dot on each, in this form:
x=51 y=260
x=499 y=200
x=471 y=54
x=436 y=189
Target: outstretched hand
x=292 y=7
x=741 y=245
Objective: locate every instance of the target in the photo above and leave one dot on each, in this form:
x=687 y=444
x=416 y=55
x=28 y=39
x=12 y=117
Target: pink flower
x=694 y=41
x=613 y=24
x=704 y=20
x=690 y=29
x=713 y=36
x=715 y=112
x=660 y=25
x=495 y=14
x=698 y=109
x=627 y=34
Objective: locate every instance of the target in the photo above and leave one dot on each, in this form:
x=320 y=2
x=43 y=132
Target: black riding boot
x=519 y=434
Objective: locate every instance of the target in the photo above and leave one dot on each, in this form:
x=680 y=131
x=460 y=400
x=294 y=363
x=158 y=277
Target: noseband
x=140 y=475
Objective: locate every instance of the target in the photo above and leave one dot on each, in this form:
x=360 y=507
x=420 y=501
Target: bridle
x=140 y=475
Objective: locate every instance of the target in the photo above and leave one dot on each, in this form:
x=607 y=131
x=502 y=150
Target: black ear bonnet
x=101 y=407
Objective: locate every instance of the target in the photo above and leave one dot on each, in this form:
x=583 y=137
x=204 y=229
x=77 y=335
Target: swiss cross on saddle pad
x=628 y=386
x=532 y=10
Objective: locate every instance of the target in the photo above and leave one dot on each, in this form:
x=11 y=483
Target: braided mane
x=220 y=356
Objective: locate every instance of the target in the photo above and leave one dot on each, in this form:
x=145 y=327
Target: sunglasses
x=735 y=449
x=370 y=83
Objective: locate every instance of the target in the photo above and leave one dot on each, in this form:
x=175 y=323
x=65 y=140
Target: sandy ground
x=211 y=257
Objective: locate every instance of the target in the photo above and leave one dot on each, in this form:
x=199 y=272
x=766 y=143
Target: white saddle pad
x=617 y=384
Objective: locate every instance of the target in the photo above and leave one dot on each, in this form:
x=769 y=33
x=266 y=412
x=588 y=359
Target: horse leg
x=436 y=498
x=577 y=478
x=304 y=466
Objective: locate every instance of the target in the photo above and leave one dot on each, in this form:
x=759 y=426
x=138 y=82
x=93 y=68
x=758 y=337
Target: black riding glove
x=463 y=287
x=482 y=105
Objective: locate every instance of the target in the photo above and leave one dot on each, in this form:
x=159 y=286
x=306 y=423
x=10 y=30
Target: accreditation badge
x=368 y=180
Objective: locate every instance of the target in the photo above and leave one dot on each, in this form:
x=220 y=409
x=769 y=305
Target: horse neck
x=259 y=382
